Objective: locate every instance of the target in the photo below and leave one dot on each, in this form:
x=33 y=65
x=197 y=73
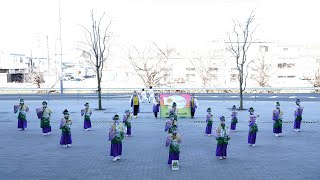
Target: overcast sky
x=178 y=23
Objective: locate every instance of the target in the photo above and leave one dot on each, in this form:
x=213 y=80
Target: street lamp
x=61 y=79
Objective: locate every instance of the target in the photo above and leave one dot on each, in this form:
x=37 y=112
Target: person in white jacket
x=151 y=94
x=144 y=95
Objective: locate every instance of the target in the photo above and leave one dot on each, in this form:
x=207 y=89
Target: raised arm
x=168 y=141
x=168 y=125
x=112 y=134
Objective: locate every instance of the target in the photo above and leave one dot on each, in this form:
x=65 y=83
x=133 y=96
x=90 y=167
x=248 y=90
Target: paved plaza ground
x=29 y=155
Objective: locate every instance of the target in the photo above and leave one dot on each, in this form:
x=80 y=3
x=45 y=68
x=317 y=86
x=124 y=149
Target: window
x=213 y=69
x=318 y=60
x=233 y=69
x=291 y=76
x=21 y=60
x=190 y=69
x=234 y=77
x=214 y=76
x=264 y=48
x=286 y=65
x=285 y=49
x=190 y=77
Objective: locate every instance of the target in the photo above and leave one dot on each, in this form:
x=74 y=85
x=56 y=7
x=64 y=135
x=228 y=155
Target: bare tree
x=313 y=77
x=34 y=78
x=238 y=45
x=262 y=69
x=97 y=47
x=316 y=79
x=205 y=67
x=150 y=64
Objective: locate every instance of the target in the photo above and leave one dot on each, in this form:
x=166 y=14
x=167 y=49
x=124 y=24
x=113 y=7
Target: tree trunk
x=241 y=89
x=99 y=88
x=241 y=97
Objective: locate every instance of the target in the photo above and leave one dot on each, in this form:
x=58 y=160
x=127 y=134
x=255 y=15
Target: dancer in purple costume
x=222 y=137
x=86 y=112
x=44 y=114
x=277 y=120
x=22 y=109
x=116 y=135
x=234 y=119
x=253 y=128
x=173 y=140
x=156 y=106
x=174 y=110
x=297 y=116
x=127 y=122
x=65 y=125
x=171 y=123
x=209 y=122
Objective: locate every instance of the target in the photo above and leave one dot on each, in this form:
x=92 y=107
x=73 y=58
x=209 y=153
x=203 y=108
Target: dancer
x=143 y=96
x=135 y=103
x=234 y=119
x=65 y=124
x=127 y=121
x=193 y=105
x=116 y=135
x=44 y=114
x=222 y=137
x=173 y=140
x=168 y=123
x=171 y=124
x=156 y=106
x=277 y=120
x=253 y=128
x=86 y=112
x=151 y=94
x=209 y=122
x=174 y=110
x=22 y=108
x=298 y=116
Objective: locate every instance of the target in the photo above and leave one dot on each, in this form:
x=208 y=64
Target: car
x=78 y=79
x=66 y=78
x=70 y=76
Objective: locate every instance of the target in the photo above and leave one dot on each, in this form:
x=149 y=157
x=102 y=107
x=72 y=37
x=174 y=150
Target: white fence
x=160 y=90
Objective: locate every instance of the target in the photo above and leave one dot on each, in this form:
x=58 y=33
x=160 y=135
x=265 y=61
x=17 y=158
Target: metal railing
x=159 y=90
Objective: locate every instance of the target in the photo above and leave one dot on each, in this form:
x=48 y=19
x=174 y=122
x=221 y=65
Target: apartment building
x=283 y=64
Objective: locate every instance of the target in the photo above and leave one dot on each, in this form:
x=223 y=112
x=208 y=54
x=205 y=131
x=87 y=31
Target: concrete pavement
x=29 y=155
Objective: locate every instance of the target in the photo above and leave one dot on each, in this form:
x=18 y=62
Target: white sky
x=182 y=24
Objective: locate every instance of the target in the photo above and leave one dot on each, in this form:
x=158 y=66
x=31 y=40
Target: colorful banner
x=183 y=104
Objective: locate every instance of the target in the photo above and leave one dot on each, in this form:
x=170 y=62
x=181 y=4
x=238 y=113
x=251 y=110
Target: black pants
x=192 y=114
x=156 y=114
x=135 y=109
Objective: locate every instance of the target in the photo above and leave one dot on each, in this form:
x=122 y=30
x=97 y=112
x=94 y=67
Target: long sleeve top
x=171 y=138
x=298 y=111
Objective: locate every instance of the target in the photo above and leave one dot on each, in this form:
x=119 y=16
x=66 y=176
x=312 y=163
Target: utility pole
x=48 y=56
x=61 y=79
